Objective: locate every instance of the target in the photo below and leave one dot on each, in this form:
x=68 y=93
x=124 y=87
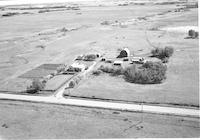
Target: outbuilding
x=119 y=63
x=124 y=53
x=78 y=66
x=138 y=60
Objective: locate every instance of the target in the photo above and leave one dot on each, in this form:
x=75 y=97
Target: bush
x=96 y=72
x=71 y=84
x=162 y=53
x=117 y=70
x=64 y=29
x=10 y=14
x=196 y=34
x=168 y=51
x=129 y=73
x=112 y=70
x=193 y=34
x=165 y=60
x=44 y=11
x=26 y=13
x=77 y=80
x=61 y=68
x=53 y=74
x=35 y=86
x=90 y=57
x=72 y=69
x=105 y=23
x=41 y=46
x=106 y=69
x=80 y=57
x=148 y=73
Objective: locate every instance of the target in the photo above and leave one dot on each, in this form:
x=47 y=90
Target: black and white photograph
x=99 y=69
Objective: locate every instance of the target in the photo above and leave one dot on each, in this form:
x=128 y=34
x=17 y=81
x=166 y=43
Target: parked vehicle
x=138 y=60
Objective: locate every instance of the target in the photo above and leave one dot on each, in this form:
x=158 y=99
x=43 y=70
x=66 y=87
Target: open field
x=40 y=71
x=21 y=120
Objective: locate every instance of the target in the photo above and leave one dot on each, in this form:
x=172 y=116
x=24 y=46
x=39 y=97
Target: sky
x=18 y=2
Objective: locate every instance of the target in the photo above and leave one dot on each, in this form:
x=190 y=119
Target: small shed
x=124 y=53
x=139 y=60
x=119 y=63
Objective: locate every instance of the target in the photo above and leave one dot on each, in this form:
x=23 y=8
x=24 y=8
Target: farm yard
x=129 y=52
x=181 y=87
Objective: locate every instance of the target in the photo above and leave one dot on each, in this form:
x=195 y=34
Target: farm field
x=20 y=120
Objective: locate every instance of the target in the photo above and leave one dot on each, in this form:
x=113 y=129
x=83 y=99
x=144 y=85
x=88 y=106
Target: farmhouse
x=79 y=66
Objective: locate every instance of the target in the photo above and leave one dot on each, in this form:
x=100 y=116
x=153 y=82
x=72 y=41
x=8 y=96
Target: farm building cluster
x=70 y=75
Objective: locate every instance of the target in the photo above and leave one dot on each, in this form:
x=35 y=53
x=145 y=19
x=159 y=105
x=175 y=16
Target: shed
x=118 y=63
x=139 y=60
